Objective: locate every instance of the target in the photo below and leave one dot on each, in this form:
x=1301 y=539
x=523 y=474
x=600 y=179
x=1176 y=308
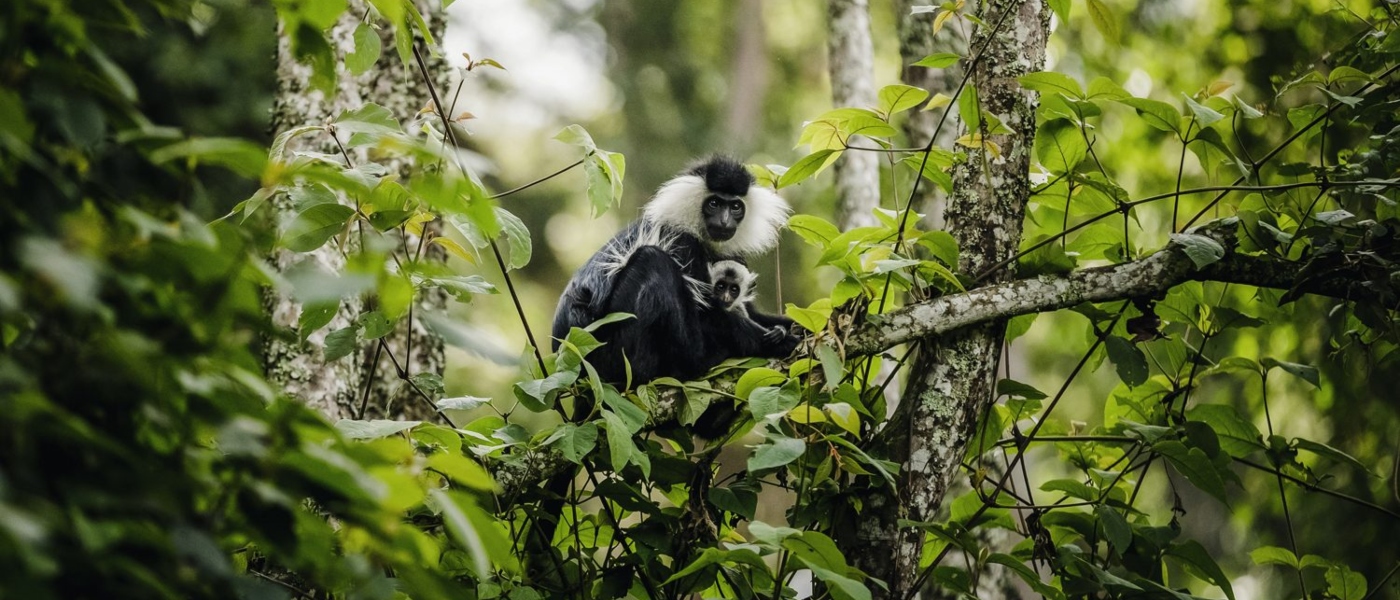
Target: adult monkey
x=657 y=269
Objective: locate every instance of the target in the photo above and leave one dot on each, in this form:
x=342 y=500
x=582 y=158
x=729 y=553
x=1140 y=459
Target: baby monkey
x=732 y=289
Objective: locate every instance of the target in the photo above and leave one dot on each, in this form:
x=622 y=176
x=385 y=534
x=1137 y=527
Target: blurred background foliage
x=663 y=82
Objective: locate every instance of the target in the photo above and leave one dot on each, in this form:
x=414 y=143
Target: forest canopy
x=1097 y=298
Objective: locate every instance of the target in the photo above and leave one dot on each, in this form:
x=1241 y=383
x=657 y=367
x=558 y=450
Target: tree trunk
x=748 y=80
x=851 y=64
x=340 y=388
x=917 y=40
x=953 y=376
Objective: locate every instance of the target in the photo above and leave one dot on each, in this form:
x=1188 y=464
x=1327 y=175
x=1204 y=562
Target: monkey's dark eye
x=712 y=202
x=736 y=207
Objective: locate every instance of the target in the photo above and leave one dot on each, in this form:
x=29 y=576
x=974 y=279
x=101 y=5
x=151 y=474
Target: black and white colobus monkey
x=731 y=330
x=658 y=270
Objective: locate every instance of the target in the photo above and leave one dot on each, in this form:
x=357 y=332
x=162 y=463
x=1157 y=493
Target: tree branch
x=1151 y=276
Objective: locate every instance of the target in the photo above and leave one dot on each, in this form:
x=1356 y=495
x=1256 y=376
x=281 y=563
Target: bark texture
x=917 y=40
x=952 y=376
x=850 y=60
x=337 y=388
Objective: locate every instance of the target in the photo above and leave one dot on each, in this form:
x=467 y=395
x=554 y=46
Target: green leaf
x=770 y=401
x=1273 y=555
x=968 y=108
x=814 y=317
x=1027 y=575
x=1199 y=563
x=316 y=225
x=1159 y=115
x=341 y=342
x=1324 y=450
x=1115 y=527
x=899 y=98
x=1060 y=146
x=375 y=325
x=367 y=50
x=1075 y=489
x=462 y=403
x=238 y=155
x=1128 y=360
x=314 y=316
x=454 y=508
x=1308 y=373
x=938 y=60
x=1238 y=437
x=575 y=441
x=576 y=135
x=1200 y=249
x=517 y=238
x=809 y=166
x=817 y=231
x=1049 y=82
x=755 y=378
x=1193 y=464
x=1105 y=21
x=1205 y=117
x=620 y=446
x=1345 y=584
x=1016 y=389
x=780 y=451
x=375 y=429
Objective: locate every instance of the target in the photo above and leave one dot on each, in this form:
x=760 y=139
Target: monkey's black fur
x=658 y=270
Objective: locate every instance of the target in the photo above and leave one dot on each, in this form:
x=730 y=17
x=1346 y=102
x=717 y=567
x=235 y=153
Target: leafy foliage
x=145 y=455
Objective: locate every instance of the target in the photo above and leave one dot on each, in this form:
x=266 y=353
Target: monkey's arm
x=769 y=321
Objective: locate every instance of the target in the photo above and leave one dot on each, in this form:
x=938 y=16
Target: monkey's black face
x=726 y=292
x=723 y=214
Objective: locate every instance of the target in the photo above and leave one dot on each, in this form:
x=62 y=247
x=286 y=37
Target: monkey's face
x=726 y=292
x=723 y=214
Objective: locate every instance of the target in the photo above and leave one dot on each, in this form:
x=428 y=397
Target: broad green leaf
x=317 y=225
x=367 y=49
x=814 y=317
x=1205 y=117
x=1273 y=555
x=575 y=441
x=462 y=403
x=899 y=98
x=769 y=401
x=1105 y=21
x=314 y=316
x=576 y=135
x=1129 y=361
x=620 y=446
x=238 y=155
x=1050 y=81
x=341 y=342
x=517 y=238
x=755 y=378
x=1060 y=146
x=1200 y=249
x=1115 y=527
x=817 y=231
x=808 y=166
x=1157 y=114
x=1195 y=466
x=1345 y=584
x=939 y=60
x=1307 y=373
x=1074 y=488
x=375 y=325
x=1326 y=451
x=1238 y=437
x=1199 y=563
x=969 y=110
x=1027 y=575
x=369 y=430
x=779 y=451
